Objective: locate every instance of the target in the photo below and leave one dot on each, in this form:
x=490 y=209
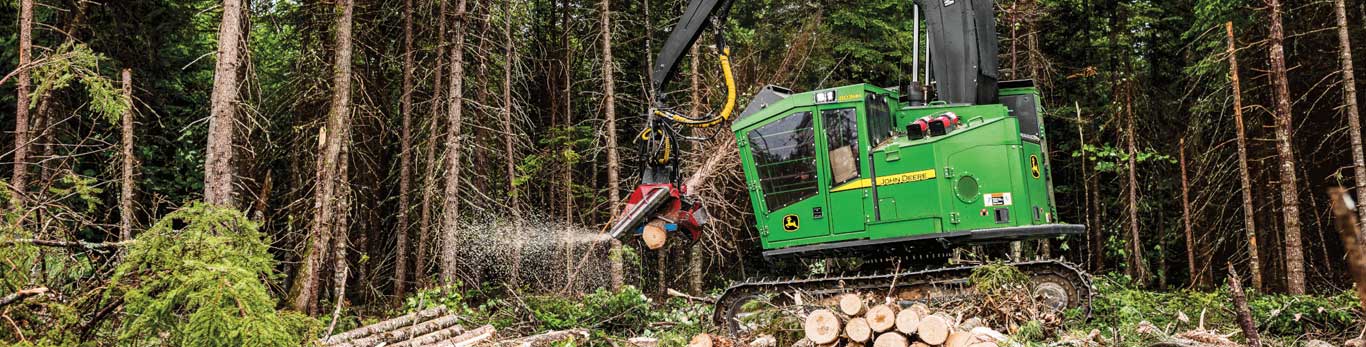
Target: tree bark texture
x=1249 y=220
x=405 y=155
x=1290 y=204
x=1138 y=268
x=509 y=153
x=609 y=106
x=1186 y=215
x=420 y=261
x=218 y=163
x=1349 y=96
x=129 y=163
x=450 y=213
x=19 y=179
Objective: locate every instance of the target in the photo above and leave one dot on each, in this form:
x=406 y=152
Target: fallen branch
x=678 y=294
x=1254 y=339
x=67 y=244
x=545 y=339
x=21 y=295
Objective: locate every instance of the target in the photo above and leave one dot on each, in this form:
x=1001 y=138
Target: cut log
x=934 y=330
x=984 y=344
x=709 y=340
x=882 y=318
x=921 y=309
x=857 y=330
x=643 y=342
x=960 y=339
x=988 y=334
x=432 y=337
x=822 y=326
x=655 y=234
x=402 y=333
x=892 y=339
x=386 y=325
x=546 y=339
x=470 y=338
x=920 y=344
x=764 y=341
x=970 y=323
x=852 y=305
x=907 y=321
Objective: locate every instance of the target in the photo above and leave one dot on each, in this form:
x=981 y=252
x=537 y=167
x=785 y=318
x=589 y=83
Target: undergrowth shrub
x=198 y=278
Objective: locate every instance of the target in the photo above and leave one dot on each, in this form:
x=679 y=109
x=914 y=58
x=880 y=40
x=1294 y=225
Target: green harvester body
x=809 y=158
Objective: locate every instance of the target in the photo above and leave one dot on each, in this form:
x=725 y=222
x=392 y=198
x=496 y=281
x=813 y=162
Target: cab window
x=841 y=131
x=879 y=119
x=784 y=155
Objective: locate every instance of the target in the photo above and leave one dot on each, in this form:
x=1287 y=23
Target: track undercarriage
x=1058 y=285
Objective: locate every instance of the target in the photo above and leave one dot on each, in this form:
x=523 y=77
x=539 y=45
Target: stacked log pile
x=855 y=321
x=437 y=327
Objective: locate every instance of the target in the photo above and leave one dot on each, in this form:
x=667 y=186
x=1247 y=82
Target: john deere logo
x=1034 y=165
x=790 y=223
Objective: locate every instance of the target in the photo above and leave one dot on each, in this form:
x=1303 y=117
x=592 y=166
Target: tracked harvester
x=889 y=177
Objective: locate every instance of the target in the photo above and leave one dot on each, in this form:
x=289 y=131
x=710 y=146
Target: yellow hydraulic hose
x=726 y=109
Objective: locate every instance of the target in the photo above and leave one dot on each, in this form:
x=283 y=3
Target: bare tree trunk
x=450 y=213
x=126 y=191
x=1290 y=209
x=19 y=181
x=1094 y=244
x=508 y=152
x=329 y=195
x=1349 y=96
x=609 y=103
x=1186 y=214
x=420 y=262
x=218 y=162
x=405 y=155
x=567 y=175
x=1137 y=267
x=1249 y=221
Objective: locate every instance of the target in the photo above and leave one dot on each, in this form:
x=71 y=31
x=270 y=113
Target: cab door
x=844 y=159
x=783 y=153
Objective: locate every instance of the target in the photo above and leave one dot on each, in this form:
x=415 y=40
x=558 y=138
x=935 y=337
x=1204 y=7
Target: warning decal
x=1034 y=166
x=996 y=199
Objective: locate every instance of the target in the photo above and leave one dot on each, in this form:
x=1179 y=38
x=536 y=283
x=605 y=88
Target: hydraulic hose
x=726 y=110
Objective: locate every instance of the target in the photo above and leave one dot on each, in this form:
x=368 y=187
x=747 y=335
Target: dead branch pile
x=439 y=327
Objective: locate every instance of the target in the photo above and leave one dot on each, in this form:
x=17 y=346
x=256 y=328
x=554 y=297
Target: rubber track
x=738 y=294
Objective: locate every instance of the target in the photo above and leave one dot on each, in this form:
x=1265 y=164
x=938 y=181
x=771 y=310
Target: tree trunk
x=218 y=162
x=609 y=104
x=1137 y=268
x=405 y=155
x=329 y=195
x=567 y=173
x=450 y=213
x=1240 y=308
x=1186 y=214
x=1349 y=96
x=1095 y=246
x=1249 y=220
x=508 y=152
x=19 y=180
x=126 y=190
x=1352 y=241
x=420 y=263
x=1290 y=209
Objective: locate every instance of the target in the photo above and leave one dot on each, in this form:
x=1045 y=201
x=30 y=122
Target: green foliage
x=79 y=190
x=198 y=278
x=602 y=310
x=1295 y=315
x=77 y=62
x=995 y=279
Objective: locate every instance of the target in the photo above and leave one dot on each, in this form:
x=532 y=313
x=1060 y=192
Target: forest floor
x=1121 y=316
